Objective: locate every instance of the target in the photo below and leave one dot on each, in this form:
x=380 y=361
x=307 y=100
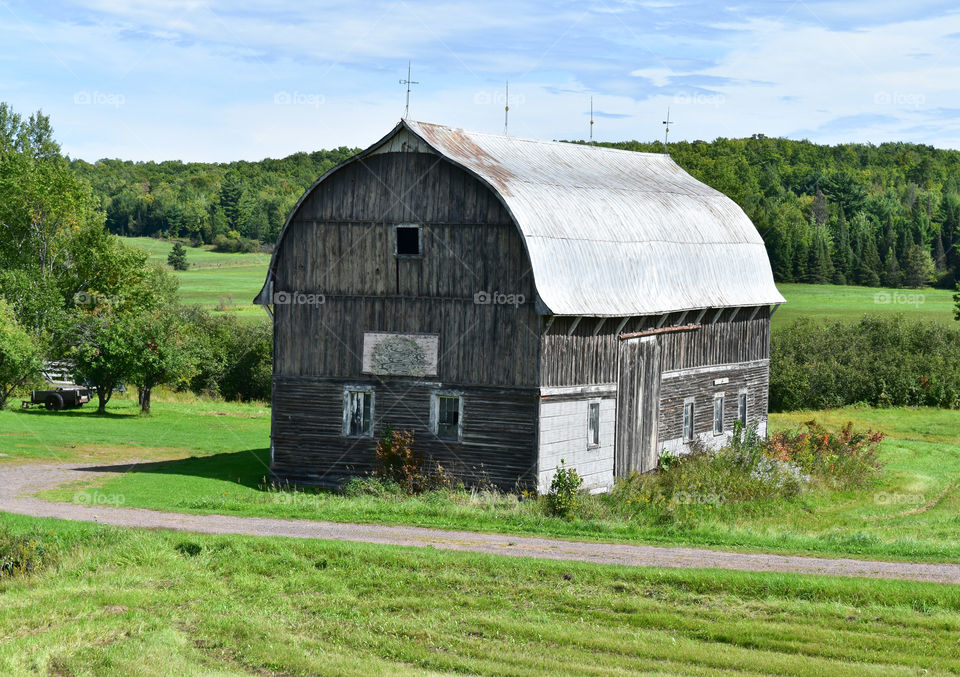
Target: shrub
x=881 y=361
x=20 y=555
x=564 y=495
x=399 y=462
x=844 y=459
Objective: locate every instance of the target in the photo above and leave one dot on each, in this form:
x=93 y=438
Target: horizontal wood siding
x=582 y=358
x=673 y=391
x=498 y=446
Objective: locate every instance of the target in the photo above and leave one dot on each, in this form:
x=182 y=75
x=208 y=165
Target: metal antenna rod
x=408 y=82
x=506 y=109
x=666 y=130
x=591 y=119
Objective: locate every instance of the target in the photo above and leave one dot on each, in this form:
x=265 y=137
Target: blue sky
x=219 y=80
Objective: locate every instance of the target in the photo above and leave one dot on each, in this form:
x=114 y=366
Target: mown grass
x=827 y=303
x=221 y=461
x=133 y=602
x=215 y=280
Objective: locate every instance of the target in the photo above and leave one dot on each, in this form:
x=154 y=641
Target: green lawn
x=215 y=280
x=826 y=303
x=221 y=459
x=133 y=602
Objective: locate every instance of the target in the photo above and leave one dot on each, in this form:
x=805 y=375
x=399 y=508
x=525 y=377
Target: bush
x=20 y=555
x=233 y=243
x=881 y=361
x=845 y=459
x=234 y=360
x=751 y=469
x=564 y=496
x=400 y=463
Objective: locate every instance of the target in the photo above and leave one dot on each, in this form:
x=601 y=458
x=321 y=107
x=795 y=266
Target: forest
x=863 y=214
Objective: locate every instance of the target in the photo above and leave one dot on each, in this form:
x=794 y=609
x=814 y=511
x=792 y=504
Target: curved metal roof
x=611 y=232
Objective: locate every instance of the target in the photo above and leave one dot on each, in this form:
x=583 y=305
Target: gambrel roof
x=609 y=233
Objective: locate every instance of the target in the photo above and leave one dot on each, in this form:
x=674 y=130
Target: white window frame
x=349 y=392
x=743 y=407
x=593 y=434
x=689 y=402
x=396 y=241
x=720 y=398
x=435 y=413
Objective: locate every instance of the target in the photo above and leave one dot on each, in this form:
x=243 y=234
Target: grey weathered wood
x=638 y=404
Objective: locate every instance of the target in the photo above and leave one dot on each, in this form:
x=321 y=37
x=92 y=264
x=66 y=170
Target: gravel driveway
x=18 y=481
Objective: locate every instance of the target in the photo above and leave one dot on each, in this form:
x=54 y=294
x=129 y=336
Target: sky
x=217 y=80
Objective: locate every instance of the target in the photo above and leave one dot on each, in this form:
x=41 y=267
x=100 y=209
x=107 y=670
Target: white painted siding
x=563 y=435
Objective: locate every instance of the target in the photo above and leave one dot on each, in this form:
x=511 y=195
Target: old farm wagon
x=513 y=302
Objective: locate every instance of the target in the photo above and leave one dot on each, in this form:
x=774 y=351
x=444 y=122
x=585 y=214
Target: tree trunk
x=101 y=401
x=143 y=394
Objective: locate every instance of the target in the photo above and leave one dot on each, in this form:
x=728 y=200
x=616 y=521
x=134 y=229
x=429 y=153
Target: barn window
x=593 y=424
x=407 y=240
x=358 y=411
x=742 y=409
x=718 y=402
x=446 y=414
x=688 y=421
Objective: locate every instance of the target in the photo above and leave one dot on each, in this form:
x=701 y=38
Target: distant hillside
x=848 y=214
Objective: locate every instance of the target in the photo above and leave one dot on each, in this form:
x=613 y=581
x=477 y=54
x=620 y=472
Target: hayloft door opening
x=638 y=401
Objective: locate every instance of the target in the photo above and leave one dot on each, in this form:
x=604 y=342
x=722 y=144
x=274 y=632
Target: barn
x=514 y=302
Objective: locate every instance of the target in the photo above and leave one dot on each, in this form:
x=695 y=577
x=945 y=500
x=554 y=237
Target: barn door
x=638 y=404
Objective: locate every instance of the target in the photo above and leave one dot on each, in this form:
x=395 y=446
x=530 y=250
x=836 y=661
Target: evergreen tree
x=892 y=277
x=177 y=258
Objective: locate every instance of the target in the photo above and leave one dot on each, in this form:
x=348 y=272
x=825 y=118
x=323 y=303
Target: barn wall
x=699 y=383
x=340 y=247
x=563 y=435
x=498 y=445
x=582 y=358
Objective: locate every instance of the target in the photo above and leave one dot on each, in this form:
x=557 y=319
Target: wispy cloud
x=220 y=80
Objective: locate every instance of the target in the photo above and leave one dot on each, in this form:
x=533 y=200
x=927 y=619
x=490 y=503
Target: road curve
x=18 y=481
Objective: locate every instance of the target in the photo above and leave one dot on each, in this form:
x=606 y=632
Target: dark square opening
x=408 y=241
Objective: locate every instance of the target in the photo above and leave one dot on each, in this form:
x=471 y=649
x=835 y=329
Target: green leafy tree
x=19 y=354
x=106 y=350
x=163 y=353
x=177 y=258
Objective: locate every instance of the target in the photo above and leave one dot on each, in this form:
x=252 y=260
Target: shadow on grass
x=38 y=410
x=249 y=468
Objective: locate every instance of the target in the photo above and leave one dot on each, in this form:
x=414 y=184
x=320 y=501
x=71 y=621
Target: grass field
x=132 y=602
x=836 y=302
x=220 y=461
x=215 y=280
x=232 y=280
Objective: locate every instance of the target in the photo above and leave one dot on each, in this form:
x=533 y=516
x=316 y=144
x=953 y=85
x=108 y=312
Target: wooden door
x=638 y=405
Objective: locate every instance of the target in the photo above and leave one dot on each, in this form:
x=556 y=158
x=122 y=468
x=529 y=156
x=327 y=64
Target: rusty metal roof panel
x=612 y=232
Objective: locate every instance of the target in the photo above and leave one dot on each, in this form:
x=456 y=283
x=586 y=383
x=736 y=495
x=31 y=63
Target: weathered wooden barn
x=513 y=302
